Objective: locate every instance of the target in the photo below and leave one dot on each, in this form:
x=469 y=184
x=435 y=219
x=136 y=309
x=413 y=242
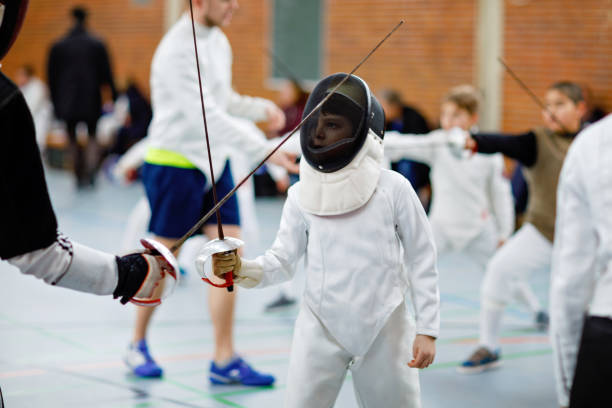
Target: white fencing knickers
x=509 y=269
x=382 y=378
x=479 y=249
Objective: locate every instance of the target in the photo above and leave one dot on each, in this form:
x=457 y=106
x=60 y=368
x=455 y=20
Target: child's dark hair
x=466 y=97
x=570 y=89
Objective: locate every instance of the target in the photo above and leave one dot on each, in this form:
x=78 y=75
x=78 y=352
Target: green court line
x=249 y=391
x=222 y=397
x=202 y=394
x=186 y=387
x=210 y=340
x=47 y=333
x=449 y=364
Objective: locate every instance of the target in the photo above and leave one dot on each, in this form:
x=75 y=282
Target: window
x=296 y=39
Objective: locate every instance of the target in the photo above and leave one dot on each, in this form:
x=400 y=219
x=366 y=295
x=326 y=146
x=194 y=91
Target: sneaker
x=542 y=320
x=140 y=361
x=238 y=372
x=482 y=359
x=281 y=302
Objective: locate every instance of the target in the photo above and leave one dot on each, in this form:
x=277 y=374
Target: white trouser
x=480 y=248
x=509 y=269
x=381 y=378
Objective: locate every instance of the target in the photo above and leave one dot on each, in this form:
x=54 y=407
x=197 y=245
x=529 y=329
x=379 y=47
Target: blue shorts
x=179 y=198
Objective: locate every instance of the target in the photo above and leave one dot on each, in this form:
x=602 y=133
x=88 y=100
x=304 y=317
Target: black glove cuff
x=133 y=270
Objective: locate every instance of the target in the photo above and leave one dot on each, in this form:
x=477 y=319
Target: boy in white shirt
x=472 y=208
x=367 y=243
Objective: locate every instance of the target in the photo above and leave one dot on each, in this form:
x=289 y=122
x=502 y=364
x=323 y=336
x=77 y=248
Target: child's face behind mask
x=565 y=110
x=452 y=116
x=331 y=128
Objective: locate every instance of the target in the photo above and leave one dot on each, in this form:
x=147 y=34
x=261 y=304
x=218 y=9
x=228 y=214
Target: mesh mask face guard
x=334 y=135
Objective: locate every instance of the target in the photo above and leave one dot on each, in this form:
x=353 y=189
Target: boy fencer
x=367 y=243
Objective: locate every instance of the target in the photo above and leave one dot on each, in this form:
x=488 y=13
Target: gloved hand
x=456 y=139
x=139 y=275
x=226 y=262
x=246 y=274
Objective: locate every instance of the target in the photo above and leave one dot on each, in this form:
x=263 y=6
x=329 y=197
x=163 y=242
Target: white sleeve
x=278 y=263
x=276 y=172
x=421 y=148
x=500 y=196
x=292 y=145
x=71 y=265
x=222 y=127
x=419 y=259
x=132 y=159
x=573 y=272
x=248 y=107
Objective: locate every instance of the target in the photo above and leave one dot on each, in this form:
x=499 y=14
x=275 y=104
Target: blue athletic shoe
x=482 y=359
x=238 y=372
x=140 y=361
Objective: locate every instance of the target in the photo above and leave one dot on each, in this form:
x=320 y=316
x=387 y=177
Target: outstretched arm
x=68 y=264
x=522 y=147
x=29 y=238
x=278 y=263
x=420 y=148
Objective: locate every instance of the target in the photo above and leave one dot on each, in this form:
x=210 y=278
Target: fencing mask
x=333 y=136
x=341 y=147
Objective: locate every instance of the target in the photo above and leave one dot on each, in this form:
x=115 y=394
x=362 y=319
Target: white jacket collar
x=344 y=190
x=202 y=31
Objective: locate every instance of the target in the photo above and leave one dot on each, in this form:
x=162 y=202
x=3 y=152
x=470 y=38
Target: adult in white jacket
x=367 y=244
x=581 y=288
x=472 y=208
x=176 y=173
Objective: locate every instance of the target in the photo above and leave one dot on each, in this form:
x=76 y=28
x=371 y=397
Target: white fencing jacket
x=177 y=123
x=68 y=264
x=468 y=192
x=582 y=252
x=361 y=264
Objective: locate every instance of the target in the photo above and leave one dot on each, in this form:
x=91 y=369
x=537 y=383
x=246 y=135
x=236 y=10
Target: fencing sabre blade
x=220 y=244
x=201 y=222
x=532 y=95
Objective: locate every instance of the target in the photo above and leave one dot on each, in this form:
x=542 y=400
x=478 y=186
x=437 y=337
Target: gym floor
x=61 y=348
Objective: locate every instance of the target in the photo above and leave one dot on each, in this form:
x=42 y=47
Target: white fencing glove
x=456 y=139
